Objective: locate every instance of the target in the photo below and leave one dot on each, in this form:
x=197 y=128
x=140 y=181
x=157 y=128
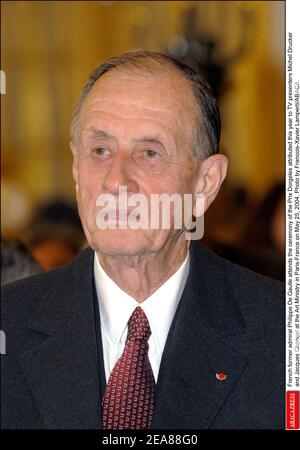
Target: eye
x=151 y=154
x=101 y=151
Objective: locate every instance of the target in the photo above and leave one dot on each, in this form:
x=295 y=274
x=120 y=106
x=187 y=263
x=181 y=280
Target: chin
x=119 y=242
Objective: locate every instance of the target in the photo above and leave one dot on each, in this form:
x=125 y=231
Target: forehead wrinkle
x=153 y=81
x=95 y=132
x=159 y=117
x=179 y=109
x=122 y=107
x=93 y=116
x=145 y=137
x=116 y=132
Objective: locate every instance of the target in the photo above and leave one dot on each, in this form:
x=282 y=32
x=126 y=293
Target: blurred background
x=48 y=49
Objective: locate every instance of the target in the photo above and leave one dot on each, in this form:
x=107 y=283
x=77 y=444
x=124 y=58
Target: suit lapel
x=63 y=370
x=189 y=395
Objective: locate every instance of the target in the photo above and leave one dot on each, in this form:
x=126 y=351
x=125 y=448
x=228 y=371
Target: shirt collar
x=116 y=306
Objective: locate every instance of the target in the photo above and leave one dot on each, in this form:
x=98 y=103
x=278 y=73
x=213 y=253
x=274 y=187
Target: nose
x=119 y=174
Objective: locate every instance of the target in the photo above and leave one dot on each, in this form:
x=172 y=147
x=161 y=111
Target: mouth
x=119 y=215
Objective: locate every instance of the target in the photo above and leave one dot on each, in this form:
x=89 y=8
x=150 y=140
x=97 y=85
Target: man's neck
x=141 y=275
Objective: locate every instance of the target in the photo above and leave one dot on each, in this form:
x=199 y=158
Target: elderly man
x=144 y=329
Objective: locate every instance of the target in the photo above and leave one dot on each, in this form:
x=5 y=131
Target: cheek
x=188 y=179
x=89 y=187
x=168 y=182
x=179 y=181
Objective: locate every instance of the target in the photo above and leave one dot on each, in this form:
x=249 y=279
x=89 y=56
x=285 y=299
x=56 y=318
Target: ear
x=212 y=172
x=75 y=163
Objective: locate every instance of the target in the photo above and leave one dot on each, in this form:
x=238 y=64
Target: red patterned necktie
x=129 y=396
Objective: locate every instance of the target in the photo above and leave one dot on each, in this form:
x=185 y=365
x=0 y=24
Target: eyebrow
x=99 y=133
x=102 y=134
x=156 y=138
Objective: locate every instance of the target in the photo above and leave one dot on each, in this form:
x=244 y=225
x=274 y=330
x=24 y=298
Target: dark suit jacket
x=229 y=320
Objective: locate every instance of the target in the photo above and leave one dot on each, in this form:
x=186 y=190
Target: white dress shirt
x=116 y=307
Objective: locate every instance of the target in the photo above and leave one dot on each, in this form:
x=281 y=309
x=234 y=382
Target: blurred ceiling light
x=15 y=206
x=2 y=82
x=178 y=46
x=141 y=16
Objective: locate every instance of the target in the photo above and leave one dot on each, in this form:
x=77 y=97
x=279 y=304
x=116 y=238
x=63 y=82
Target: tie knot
x=138 y=325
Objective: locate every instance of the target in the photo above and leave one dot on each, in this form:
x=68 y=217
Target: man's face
x=135 y=130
